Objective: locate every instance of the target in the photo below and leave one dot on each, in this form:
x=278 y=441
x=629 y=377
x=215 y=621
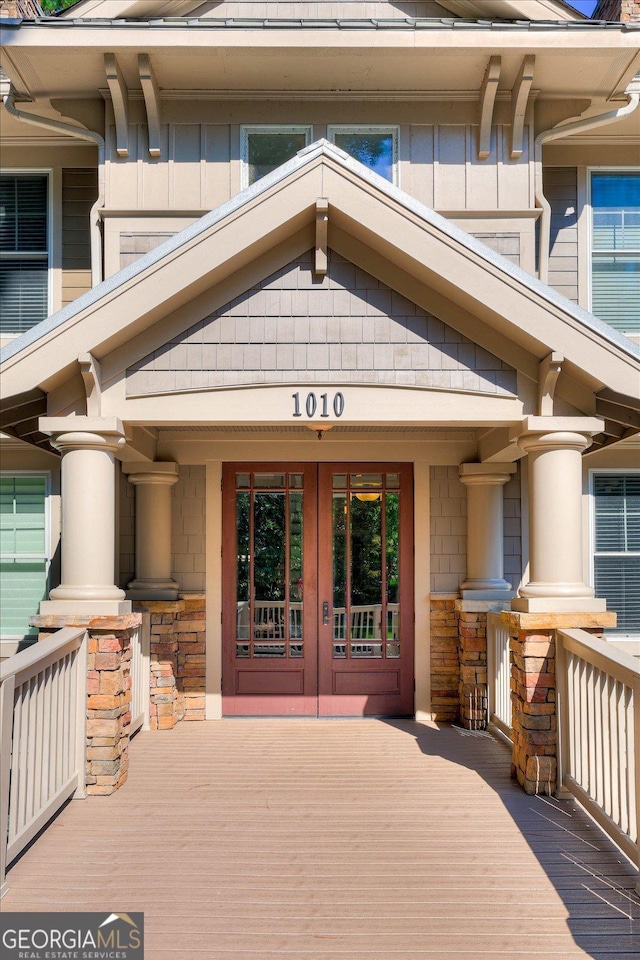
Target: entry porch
x=333 y=839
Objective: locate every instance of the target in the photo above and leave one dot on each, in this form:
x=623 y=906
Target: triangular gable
x=373 y=224
x=346 y=326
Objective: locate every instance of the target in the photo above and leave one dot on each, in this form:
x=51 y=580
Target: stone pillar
x=88 y=446
x=153 y=482
x=108 y=693
x=485 y=527
x=554 y=446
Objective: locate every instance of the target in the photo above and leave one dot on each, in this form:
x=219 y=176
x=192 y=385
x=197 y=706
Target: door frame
x=318 y=487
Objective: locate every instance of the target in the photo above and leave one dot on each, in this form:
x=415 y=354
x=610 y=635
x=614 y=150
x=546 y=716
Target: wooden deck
x=335 y=840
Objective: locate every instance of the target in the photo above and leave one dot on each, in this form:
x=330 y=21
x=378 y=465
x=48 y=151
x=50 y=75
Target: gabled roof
x=424 y=256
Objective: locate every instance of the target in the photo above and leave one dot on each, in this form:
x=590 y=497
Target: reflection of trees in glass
x=392 y=537
x=242 y=528
x=269 y=150
x=295 y=546
x=366 y=551
x=339 y=550
x=269 y=546
x=374 y=150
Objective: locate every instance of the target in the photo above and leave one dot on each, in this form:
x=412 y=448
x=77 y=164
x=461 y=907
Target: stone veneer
x=445 y=662
x=108 y=693
x=472 y=654
x=177 y=654
x=533 y=691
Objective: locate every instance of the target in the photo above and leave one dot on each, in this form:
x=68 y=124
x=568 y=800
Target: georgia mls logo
x=72 y=936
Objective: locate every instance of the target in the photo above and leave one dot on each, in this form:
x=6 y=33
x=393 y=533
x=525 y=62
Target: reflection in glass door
x=366 y=640
x=317 y=590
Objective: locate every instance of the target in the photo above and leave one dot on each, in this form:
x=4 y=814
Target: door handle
x=325 y=613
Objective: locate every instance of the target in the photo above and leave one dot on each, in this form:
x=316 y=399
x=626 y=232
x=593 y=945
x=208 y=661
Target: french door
x=318 y=589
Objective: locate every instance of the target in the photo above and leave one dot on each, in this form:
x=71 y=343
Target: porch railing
x=499 y=674
x=140 y=670
x=43 y=716
x=598 y=694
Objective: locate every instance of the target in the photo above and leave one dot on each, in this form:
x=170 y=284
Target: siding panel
x=79 y=193
x=561 y=189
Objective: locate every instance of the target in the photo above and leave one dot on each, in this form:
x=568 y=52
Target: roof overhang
x=373 y=223
x=65 y=58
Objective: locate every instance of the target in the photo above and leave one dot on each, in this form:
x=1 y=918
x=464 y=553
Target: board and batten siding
x=560 y=186
x=199 y=165
x=79 y=193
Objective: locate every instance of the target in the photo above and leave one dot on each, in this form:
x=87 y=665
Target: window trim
x=392 y=128
x=48 y=555
x=589 y=205
x=603 y=472
x=250 y=128
x=48 y=173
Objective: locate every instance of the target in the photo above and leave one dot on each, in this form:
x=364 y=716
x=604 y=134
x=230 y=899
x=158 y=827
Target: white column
x=153 y=482
x=485 y=529
x=555 y=516
x=88 y=446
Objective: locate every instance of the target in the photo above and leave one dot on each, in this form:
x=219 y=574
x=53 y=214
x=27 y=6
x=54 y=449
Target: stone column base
x=533 y=691
x=108 y=693
x=472 y=618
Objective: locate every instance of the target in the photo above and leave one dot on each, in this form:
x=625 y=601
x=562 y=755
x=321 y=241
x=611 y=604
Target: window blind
x=615 y=275
x=617 y=546
x=24 y=264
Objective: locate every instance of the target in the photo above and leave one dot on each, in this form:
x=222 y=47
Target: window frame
x=246 y=129
x=36 y=172
x=392 y=128
x=48 y=554
x=604 y=472
x=590 y=251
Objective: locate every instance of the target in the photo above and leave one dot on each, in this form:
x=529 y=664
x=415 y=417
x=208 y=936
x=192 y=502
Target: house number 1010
x=311 y=404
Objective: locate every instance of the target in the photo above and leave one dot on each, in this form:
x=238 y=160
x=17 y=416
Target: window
x=23 y=551
x=616 y=499
x=266 y=147
x=615 y=254
x=376 y=147
x=24 y=251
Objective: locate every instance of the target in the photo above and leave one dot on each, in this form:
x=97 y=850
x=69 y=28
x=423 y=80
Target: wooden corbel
x=151 y=93
x=488 y=93
x=322 y=233
x=549 y=371
x=120 y=101
x=91 y=374
x=519 y=101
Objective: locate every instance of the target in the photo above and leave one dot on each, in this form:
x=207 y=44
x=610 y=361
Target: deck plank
x=335 y=840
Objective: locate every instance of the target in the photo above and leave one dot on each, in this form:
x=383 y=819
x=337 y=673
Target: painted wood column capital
x=88 y=446
x=554 y=446
x=485 y=530
x=153 y=482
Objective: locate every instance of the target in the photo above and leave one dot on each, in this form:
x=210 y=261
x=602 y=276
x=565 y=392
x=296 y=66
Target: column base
x=95 y=608
x=479 y=594
x=152 y=590
x=559 y=605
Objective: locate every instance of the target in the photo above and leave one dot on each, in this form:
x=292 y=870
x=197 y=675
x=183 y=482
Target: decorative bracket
x=519 y=100
x=549 y=371
x=322 y=233
x=487 y=100
x=90 y=371
x=151 y=93
x=120 y=100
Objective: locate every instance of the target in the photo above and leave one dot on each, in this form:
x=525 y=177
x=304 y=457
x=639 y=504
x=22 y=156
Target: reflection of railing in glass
x=269 y=627
x=364 y=627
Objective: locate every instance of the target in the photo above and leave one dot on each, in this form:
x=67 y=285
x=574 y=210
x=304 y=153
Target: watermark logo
x=72 y=936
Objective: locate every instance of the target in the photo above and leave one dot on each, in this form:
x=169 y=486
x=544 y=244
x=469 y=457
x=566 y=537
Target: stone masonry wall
x=445 y=662
x=108 y=694
x=625 y=11
x=177 y=652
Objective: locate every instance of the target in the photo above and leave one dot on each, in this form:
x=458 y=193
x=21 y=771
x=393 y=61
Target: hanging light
x=367 y=497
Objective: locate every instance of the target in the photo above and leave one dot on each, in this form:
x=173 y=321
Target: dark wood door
x=317 y=590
